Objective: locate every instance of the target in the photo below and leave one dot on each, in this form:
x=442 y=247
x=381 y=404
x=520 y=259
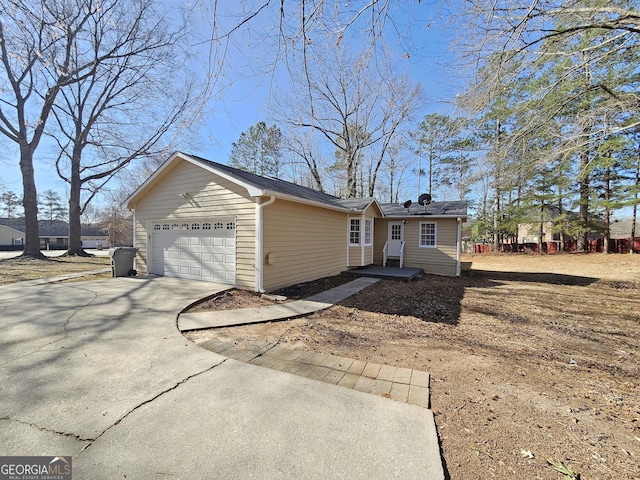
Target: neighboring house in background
x=54 y=235
x=61 y=242
x=10 y=238
x=199 y=219
x=622 y=228
x=530 y=232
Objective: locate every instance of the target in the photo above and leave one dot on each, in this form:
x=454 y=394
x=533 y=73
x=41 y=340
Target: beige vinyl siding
x=380 y=237
x=440 y=260
x=210 y=196
x=355 y=256
x=303 y=243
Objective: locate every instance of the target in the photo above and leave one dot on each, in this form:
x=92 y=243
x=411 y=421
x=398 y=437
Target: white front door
x=396 y=237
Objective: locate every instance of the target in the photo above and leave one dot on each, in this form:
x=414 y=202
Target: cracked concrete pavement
x=98 y=370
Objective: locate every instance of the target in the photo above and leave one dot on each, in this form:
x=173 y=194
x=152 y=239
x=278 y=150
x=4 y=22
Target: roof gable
x=255 y=185
x=11 y=230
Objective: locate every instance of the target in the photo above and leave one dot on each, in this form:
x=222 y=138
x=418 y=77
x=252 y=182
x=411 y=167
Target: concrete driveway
x=98 y=370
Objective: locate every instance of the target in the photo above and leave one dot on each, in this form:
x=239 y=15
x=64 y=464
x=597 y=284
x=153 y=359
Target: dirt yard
x=533 y=359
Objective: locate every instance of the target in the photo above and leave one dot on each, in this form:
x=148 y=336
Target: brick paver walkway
x=399 y=384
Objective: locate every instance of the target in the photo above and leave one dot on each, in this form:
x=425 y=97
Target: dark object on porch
x=392 y=273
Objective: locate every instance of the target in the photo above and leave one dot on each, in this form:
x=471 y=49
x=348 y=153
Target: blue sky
x=245 y=97
x=245 y=101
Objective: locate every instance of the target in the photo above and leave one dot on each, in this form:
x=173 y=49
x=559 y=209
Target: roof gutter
x=425 y=217
x=259 y=250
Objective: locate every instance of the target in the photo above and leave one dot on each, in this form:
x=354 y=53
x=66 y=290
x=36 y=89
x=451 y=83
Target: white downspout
x=362 y=242
x=133 y=212
x=459 y=246
x=133 y=231
x=259 y=260
x=348 y=239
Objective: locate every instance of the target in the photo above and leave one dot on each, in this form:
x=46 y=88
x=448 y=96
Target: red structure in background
x=617 y=245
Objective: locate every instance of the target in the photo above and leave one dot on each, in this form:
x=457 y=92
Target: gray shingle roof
x=356 y=203
x=453 y=209
x=273 y=184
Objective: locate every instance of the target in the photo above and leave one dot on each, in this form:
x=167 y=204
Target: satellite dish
x=407 y=204
x=424 y=199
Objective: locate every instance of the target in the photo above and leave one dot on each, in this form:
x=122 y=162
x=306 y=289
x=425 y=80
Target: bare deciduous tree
x=132 y=106
x=37 y=41
x=355 y=104
x=47 y=47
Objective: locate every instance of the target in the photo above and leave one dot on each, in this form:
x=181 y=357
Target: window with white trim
x=428 y=235
x=354 y=231
x=368 y=231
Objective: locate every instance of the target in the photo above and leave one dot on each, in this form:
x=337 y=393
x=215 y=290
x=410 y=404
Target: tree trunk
x=635 y=204
x=607 y=214
x=352 y=177
x=496 y=220
x=541 y=232
x=583 y=186
x=560 y=214
x=30 y=203
x=75 y=228
x=496 y=189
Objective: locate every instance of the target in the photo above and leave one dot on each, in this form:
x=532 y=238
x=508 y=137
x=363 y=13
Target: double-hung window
x=368 y=231
x=354 y=231
x=427 y=235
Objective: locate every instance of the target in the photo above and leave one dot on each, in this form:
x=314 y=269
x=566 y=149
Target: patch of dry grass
x=20 y=269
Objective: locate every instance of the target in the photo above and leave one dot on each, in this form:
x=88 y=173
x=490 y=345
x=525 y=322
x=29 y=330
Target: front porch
x=391 y=273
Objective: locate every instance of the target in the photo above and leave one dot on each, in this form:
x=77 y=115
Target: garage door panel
x=192 y=252
x=207 y=274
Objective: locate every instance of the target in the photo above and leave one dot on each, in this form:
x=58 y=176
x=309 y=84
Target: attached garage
x=200 y=250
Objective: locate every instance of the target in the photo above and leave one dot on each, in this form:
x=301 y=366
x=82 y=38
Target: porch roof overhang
x=435 y=210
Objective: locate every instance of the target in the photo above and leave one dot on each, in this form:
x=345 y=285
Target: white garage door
x=202 y=250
